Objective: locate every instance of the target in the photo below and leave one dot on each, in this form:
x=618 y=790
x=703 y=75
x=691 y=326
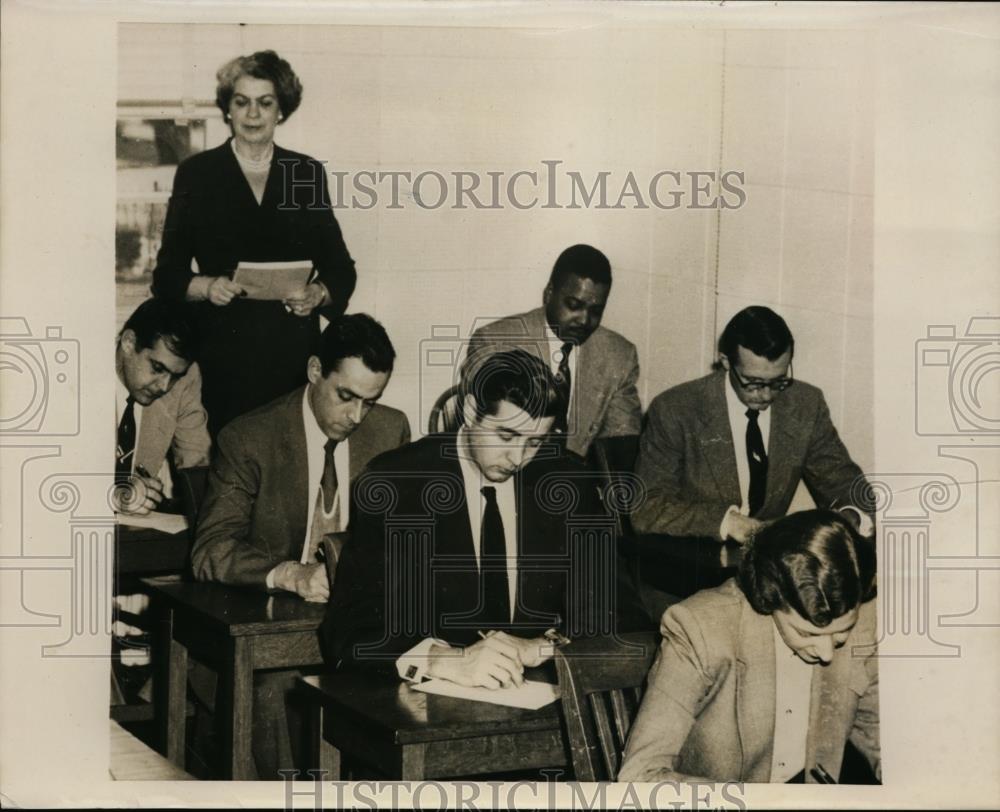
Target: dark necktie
x=564 y=383
x=757 y=457
x=493 y=564
x=328 y=484
x=126 y=441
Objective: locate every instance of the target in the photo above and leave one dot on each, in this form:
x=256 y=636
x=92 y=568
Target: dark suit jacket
x=687 y=458
x=409 y=570
x=254 y=514
x=605 y=400
x=251 y=352
x=708 y=712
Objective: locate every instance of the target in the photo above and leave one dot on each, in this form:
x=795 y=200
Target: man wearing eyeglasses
x=722 y=456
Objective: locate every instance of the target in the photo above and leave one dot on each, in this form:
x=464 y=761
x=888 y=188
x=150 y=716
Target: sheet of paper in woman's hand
x=273 y=281
x=531 y=695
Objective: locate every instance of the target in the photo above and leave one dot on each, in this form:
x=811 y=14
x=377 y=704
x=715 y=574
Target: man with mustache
x=597 y=368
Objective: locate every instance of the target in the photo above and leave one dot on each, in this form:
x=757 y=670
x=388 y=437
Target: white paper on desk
x=531 y=695
x=273 y=281
x=165 y=522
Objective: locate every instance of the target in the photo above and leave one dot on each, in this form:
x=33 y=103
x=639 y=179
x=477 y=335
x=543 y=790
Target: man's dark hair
x=355 y=336
x=758 y=329
x=813 y=562
x=584 y=261
x=517 y=377
x=162 y=318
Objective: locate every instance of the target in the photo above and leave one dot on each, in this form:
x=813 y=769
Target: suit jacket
x=257 y=501
x=605 y=399
x=708 y=711
x=687 y=458
x=409 y=570
x=250 y=351
x=175 y=422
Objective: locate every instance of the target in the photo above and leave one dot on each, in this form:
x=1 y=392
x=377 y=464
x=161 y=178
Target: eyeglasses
x=777 y=385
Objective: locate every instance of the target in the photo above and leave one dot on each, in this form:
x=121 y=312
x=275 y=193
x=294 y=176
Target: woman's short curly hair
x=260 y=65
x=813 y=562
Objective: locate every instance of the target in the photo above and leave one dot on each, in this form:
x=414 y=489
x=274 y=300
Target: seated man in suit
x=158 y=404
x=597 y=367
x=462 y=554
x=723 y=455
x=275 y=493
x=767 y=677
x=158 y=400
x=273 y=490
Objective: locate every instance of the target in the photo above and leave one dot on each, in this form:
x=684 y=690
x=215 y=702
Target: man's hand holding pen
x=496 y=660
x=142 y=494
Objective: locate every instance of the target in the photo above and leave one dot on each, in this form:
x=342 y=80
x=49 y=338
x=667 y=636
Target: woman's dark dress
x=251 y=352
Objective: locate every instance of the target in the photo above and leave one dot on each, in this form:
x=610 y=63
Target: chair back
x=190 y=485
x=601 y=683
x=615 y=457
x=446 y=414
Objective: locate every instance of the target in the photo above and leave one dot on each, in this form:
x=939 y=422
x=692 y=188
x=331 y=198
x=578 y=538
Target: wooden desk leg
x=238 y=711
x=328 y=756
x=171 y=690
x=412 y=766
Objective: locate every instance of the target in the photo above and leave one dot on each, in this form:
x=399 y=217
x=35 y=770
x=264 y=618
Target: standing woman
x=251 y=200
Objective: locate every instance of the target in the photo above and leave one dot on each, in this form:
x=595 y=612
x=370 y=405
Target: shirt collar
x=314 y=434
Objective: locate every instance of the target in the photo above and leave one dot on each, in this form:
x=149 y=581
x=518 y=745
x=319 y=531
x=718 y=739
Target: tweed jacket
x=176 y=422
x=687 y=459
x=605 y=401
x=257 y=502
x=708 y=711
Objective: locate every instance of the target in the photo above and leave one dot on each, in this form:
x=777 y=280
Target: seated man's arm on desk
x=663 y=466
x=191 y=444
x=223 y=549
x=833 y=478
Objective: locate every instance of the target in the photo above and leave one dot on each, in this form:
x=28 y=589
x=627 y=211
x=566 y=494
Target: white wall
x=792 y=110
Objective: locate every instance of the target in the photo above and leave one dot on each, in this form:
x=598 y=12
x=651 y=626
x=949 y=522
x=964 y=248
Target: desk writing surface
x=239 y=611
x=390 y=708
x=146 y=550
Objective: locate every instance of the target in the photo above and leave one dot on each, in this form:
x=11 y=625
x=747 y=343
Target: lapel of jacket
x=453 y=525
x=155 y=434
x=787 y=432
x=716 y=439
x=755 y=694
x=290 y=434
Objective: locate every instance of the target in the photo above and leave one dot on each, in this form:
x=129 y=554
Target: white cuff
x=724 y=526
x=412 y=665
x=269 y=580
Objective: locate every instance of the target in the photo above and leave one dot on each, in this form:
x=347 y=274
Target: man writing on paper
x=159 y=410
x=722 y=456
x=158 y=403
x=467 y=547
x=278 y=486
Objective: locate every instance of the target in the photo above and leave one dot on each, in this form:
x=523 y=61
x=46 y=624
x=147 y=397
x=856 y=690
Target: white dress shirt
x=738 y=421
x=555 y=354
x=792 y=695
x=413 y=664
x=316 y=456
x=316 y=461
